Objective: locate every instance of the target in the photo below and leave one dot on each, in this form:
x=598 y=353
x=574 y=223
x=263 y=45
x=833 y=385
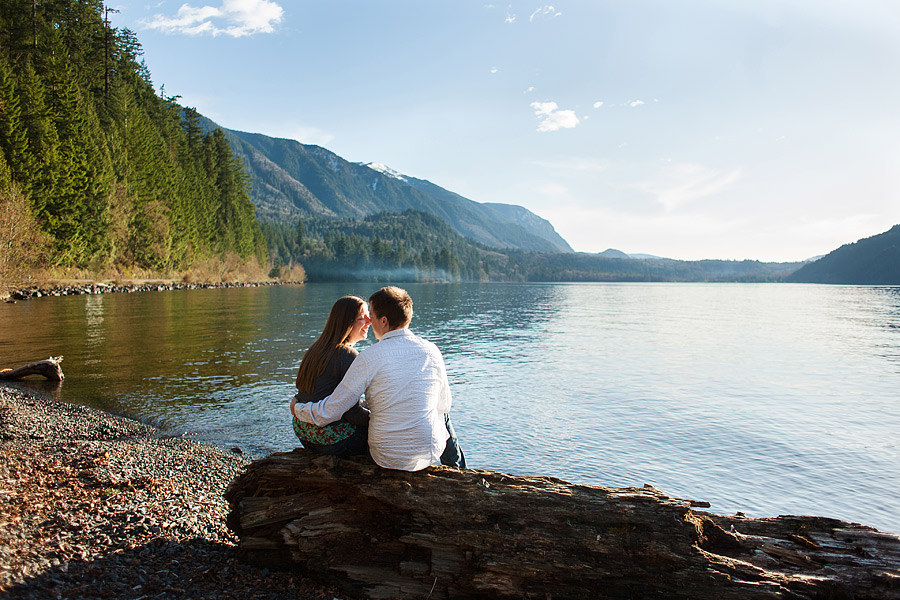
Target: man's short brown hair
x=394 y=303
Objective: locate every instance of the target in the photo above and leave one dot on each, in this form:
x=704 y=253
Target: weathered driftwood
x=48 y=368
x=447 y=533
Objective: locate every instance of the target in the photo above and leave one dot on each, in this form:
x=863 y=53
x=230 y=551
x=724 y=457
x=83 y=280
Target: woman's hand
x=293 y=403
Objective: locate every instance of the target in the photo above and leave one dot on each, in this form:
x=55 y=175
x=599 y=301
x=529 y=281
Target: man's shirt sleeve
x=345 y=395
x=444 y=399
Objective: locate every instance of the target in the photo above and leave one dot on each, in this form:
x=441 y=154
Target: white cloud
x=545 y=11
x=553 y=119
x=635 y=103
x=494 y=70
x=529 y=89
x=676 y=185
x=510 y=16
x=236 y=18
x=544 y=108
x=598 y=104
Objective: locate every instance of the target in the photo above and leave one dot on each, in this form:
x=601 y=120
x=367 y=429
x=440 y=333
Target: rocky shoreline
x=93 y=505
x=113 y=288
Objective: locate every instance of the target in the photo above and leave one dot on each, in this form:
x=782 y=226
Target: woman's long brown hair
x=336 y=334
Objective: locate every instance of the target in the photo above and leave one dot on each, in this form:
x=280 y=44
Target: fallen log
x=450 y=533
x=49 y=368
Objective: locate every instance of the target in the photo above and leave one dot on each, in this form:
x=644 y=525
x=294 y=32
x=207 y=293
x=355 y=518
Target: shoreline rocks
x=95 y=505
x=127 y=288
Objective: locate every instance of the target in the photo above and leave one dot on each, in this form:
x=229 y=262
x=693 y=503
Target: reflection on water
x=770 y=399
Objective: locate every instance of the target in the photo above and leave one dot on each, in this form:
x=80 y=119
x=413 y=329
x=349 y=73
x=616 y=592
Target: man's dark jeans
x=453 y=455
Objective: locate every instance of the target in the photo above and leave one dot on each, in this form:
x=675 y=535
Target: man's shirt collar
x=396 y=333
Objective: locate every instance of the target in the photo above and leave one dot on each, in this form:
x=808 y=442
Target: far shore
x=95 y=505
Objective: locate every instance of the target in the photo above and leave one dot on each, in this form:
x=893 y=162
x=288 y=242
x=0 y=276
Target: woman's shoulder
x=347 y=351
x=344 y=356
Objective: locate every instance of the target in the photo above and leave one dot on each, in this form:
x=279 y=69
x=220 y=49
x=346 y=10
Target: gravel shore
x=94 y=505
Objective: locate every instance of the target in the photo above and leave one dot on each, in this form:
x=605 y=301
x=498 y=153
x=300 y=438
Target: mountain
x=291 y=180
x=613 y=253
x=870 y=261
x=646 y=257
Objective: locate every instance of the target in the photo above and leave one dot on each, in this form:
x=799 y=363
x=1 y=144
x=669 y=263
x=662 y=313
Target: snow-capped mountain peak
x=386 y=170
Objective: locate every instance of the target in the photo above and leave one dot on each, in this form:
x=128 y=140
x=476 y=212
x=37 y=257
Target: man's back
x=407 y=393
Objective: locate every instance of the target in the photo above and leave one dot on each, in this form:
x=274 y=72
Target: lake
x=762 y=398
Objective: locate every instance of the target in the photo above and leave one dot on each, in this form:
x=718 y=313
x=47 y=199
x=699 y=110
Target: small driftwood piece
x=49 y=368
x=449 y=533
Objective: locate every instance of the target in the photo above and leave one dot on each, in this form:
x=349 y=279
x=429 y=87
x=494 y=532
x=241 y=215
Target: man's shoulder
x=426 y=345
x=400 y=340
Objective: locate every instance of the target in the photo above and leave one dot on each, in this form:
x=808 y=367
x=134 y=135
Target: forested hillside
x=417 y=246
x=870 y=261
x=107 y=168
x=412 y=246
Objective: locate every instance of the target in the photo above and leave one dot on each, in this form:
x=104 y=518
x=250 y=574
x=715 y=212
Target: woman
x=322 y=369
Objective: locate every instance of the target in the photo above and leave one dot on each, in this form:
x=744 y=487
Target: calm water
x=769 y=399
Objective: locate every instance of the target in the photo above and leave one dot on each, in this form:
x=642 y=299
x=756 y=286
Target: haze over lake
x=768 y=398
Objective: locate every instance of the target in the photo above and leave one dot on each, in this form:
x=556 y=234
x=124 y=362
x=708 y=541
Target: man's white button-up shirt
x=407 y=392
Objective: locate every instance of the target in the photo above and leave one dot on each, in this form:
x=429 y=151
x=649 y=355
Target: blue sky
x=695 y=129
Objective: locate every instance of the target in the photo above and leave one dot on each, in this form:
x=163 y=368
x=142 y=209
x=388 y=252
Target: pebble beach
x=95 y=505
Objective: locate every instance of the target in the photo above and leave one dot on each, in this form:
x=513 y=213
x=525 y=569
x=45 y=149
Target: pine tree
x=13 y=134
x=43 y=139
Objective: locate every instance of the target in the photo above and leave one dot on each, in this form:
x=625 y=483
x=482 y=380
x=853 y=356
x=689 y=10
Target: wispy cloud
x=546 y=11
x=510 y=15
x=529 y=89
x=678 y=184
x=598 y=104
x=494 y=70
x=636 y=103
x=553 y=119
x=237 y=18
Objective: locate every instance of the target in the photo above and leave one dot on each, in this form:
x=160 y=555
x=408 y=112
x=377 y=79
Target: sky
x=730 y=129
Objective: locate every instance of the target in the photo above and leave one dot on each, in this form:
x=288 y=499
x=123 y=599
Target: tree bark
x=450 y=533
x=49 y=368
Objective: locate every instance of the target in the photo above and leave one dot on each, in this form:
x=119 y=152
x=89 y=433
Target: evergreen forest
x=100 y=171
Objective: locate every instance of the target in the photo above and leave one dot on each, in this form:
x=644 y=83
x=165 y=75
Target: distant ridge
x=870 y=261
x=291 y=180
x=613 y=253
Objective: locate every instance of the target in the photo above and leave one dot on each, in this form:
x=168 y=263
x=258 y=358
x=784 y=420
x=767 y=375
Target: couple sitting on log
x=403 y=421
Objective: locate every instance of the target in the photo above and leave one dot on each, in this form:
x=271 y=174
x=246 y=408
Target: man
x=406 y=388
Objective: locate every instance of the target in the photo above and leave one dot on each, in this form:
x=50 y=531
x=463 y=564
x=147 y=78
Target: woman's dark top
x=323 y=386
